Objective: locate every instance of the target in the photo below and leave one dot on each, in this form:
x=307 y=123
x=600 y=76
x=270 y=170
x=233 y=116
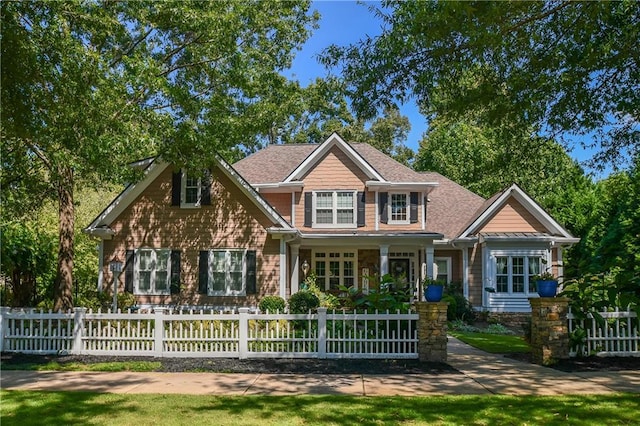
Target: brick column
x=549 y=331
x=432 y=331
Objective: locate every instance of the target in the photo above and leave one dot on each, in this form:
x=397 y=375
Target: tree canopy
x=88 y=87
x=563 y=69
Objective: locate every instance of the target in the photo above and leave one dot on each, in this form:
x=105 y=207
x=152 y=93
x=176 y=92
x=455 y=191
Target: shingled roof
x=450 y=208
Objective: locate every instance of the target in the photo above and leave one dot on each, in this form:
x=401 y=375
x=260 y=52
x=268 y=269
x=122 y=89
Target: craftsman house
x=345 y=211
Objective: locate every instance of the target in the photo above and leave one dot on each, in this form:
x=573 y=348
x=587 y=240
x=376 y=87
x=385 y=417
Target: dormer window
x=399 y=209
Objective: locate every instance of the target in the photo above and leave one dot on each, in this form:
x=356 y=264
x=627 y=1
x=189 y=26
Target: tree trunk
x=63 y=299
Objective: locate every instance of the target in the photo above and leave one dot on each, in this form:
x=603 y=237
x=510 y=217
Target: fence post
x=243 y=333
x=322 y=333
x=3 y=325
x=158 y=331
x=432 y=331
x=549 y=331
x=78 y=329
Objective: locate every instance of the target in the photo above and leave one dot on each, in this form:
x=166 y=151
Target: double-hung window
x=334 y=269
x=442 y=269
x=515 y=274
x=191 y=191
x=227 y=272
x=335 y=209
x=152 y=271
x=399 y=209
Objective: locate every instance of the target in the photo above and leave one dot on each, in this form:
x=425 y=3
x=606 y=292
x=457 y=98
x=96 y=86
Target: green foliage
x=391 y=295
x=459 y=307
x=302 y=302
x=558 y=68
x=327 y=300
x=272 y=304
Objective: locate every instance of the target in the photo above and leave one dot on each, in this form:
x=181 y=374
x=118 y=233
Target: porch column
x=384 y=260
x=295 y=265
x=428 y=258
x=283 y=268
x=465 y=272
x=100 y=265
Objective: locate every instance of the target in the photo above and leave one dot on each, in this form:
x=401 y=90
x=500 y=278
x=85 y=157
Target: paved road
x=480 y=373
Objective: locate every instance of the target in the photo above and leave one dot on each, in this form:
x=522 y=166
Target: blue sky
x=345 y=22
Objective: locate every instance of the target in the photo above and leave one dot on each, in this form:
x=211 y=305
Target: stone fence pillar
x=432 y=331
x=549 y=330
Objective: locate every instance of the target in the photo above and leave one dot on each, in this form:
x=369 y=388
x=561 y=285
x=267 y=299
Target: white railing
x=165 y=333
x=617 y=336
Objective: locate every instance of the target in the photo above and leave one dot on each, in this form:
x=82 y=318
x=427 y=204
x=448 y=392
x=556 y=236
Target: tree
x=560 y=68
x=89 y=86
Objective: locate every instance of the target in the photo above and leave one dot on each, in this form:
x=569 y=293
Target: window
x=399 y=208
x=334 y=209
x=514 y=274
x=442 y=269
x=191 y=195
x=334 y=269
x=152 y=272
x=227 y=273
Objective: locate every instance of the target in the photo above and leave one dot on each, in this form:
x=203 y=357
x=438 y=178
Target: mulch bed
x=315 y=366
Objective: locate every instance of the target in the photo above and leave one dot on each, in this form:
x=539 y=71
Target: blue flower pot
x=547 y=288
x=433 y=293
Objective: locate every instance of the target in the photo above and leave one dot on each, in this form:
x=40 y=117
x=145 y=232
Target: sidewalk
x=481 y=373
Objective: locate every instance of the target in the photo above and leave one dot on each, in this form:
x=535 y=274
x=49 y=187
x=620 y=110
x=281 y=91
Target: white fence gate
x=617 y=336
x=164 y=333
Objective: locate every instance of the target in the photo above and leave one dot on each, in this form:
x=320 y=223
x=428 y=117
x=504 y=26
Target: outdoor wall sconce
x=305 y=268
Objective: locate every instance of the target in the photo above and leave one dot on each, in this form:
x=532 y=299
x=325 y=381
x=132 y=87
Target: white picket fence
x=618 y=336
x=167 y=333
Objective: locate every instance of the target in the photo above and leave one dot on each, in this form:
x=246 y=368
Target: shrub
x=272 y=304
x=459 y=306
x=302 y=302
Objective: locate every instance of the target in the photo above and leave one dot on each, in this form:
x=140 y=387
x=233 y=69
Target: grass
x=493 y=343
x=136 y=366
x=82 y=408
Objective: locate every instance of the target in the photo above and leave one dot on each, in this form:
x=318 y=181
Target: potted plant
x=546 y=284
x=433 y=290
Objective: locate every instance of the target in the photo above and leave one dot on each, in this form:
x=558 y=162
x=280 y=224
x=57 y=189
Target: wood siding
x=231 y=221
x=513 y=217
x=456 y=262
x=475 y=275
x=281 y=203
x=336 y=171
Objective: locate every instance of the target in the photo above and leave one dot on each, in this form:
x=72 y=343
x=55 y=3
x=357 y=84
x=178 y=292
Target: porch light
x=305 y=268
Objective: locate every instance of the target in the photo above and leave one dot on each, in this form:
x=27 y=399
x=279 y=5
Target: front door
x=399 y=269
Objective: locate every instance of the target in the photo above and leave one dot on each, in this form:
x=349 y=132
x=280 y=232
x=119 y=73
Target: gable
x=156 y=189
x=512 y=216
x=335 y=170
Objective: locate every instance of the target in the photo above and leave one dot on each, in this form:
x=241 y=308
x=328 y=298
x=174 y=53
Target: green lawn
x=493 y=343
x=81 y=408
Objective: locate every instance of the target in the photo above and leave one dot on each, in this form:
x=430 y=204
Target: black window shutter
x=308 y=208
x=203 y=272
x=413 y=212
x=250 y=260
x=206 y=189
x=128 y=271
x=382 y=204
x=361 y=206
x=175 y=271
x=176 y=188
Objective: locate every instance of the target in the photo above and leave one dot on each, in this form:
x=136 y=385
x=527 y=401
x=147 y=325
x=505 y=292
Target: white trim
x=465 y=272
x=279 y=187
x=377 y=212
x=423 y=214
x=318 y=154
x=293 y=209
x=407 y=201
x=334 y=209
x=402 y=186
x=100 y=265
x=153 y=282
x=436 y=270
x=326 y=286
x=283 y=268
x=528 y=203
x=183 y=192
x=227 y=292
